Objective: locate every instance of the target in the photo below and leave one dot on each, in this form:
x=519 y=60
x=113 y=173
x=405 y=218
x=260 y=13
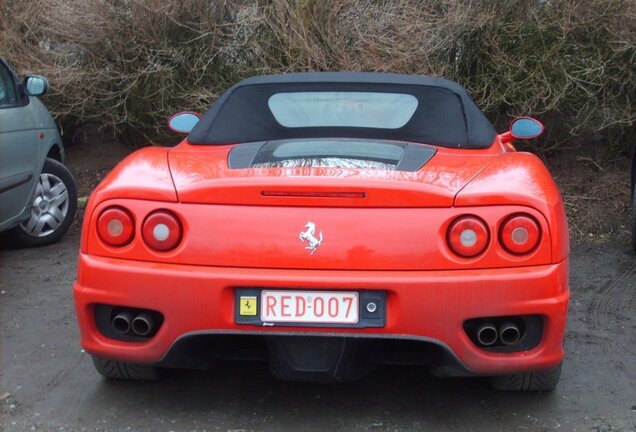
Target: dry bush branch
x=127 y=64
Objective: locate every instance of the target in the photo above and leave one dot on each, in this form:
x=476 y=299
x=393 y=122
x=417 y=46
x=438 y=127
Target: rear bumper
x=429 y=306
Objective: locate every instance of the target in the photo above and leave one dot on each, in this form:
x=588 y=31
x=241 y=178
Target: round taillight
x=115 y=226
x=468 y=236
x=520 y=234
x=162 y=230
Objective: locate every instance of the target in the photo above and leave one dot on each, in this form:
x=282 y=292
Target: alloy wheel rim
x=49 y=207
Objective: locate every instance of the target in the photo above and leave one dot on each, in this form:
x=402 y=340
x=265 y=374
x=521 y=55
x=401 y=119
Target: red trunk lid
x=202 y=176
x=354 y=219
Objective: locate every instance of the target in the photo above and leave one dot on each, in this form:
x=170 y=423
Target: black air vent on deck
x=331 y=152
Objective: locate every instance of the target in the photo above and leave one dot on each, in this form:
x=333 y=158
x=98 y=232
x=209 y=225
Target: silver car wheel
x=49 y=207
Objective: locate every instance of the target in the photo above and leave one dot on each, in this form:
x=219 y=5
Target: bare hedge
x=125 y=65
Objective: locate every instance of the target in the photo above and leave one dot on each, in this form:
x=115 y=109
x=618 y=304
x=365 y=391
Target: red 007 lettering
x=318 y=307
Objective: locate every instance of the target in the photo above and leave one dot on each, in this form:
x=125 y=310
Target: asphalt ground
x=47 y=383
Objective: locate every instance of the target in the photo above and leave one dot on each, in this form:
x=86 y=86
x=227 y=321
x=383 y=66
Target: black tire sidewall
x=20 y=238
x=114 y=369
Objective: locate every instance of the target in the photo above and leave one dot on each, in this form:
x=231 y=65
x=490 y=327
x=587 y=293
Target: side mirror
x=35 y=85
x=183 y=122
x=525 y=128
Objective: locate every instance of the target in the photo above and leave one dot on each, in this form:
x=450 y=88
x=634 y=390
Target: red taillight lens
x=115 y=226
x=162 y=230
x=520 y=234
x=468 y=236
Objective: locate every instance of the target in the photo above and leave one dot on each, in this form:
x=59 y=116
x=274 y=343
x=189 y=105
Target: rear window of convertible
x=342 y=109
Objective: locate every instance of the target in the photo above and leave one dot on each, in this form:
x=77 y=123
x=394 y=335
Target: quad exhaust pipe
x=141 y=324
x=122 y=322
x=487 y=334
x=509 y=333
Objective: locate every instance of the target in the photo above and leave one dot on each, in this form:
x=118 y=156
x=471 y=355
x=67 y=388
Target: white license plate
x=315 y=307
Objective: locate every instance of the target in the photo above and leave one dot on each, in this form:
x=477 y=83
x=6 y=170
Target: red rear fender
x=521 y=179
x=142 y=175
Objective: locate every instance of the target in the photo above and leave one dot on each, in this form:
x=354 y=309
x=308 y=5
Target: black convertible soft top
x=445 y=114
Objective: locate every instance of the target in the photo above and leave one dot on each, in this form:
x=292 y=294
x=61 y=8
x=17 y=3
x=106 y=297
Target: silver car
x=38 y=197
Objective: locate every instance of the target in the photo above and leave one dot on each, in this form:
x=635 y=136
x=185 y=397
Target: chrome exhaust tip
x=121 y=322
x=509 y=333
x=487 y=334
x=143 y=324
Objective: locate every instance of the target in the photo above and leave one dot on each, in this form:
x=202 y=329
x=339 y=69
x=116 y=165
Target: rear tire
x=543 y=381
x=113 y=369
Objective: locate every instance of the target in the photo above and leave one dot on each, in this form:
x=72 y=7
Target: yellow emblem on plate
x=248 y=306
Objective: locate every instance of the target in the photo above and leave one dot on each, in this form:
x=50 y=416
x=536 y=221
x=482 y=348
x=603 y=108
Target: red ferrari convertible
x=327 y=223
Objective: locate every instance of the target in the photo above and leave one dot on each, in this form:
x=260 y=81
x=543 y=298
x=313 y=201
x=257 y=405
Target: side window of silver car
x=8 y=92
